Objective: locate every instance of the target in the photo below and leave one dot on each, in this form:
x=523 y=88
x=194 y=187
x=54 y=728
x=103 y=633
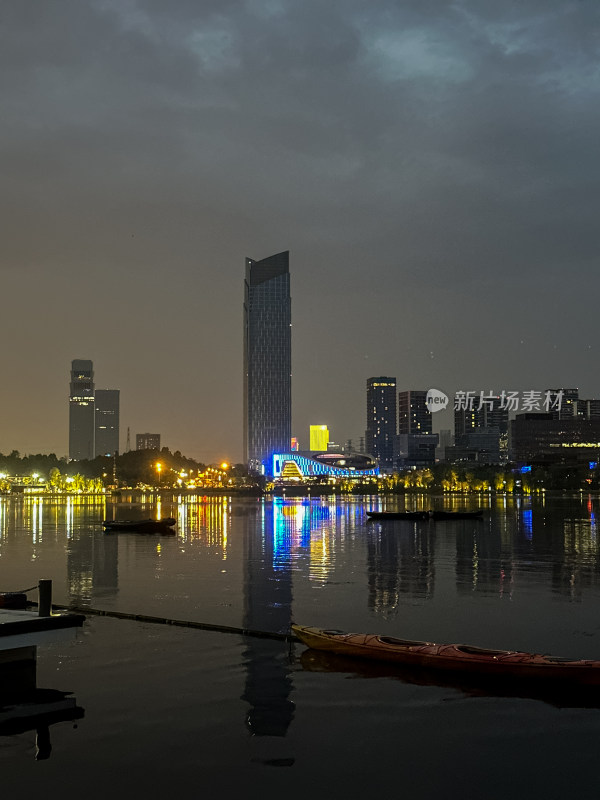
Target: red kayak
x=461 y=658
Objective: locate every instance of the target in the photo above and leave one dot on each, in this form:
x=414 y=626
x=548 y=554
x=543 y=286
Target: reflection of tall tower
x=107 y=422
x=81 y=410
x=267 y=360
x=92 y=561
x=267 y=607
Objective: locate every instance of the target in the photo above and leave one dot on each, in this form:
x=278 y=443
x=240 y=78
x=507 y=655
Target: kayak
x=461 y=658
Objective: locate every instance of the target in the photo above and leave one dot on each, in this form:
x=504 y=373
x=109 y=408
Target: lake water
x=171 y=709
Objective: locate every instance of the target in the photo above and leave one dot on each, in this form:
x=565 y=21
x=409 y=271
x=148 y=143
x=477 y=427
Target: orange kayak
x=461 y=658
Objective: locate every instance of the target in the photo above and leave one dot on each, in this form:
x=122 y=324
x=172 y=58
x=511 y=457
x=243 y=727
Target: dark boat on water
x=425 y=515
x=164 y=525
x=413 y=515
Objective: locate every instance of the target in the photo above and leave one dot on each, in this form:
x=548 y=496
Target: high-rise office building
x=267 y=360
x=81 y=410
x=319 y=438
x=381 y=420
x=107 y=422
x=483 y=410
x=147 y=441
x=415 y=444
x=413 y=414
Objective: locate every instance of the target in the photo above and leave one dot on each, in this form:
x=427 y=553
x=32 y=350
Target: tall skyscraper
x=415 y=444
x=81 y=410
x=381 y=420
x=267 y=360
x=107 y=422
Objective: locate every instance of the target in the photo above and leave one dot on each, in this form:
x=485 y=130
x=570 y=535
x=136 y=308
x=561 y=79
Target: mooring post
x=45 y=598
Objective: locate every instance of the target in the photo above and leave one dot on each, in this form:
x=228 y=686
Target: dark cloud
x=432 y=167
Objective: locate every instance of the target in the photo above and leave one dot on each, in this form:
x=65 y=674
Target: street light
x=158 y=469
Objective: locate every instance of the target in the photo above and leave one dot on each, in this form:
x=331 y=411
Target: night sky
x=432 y=167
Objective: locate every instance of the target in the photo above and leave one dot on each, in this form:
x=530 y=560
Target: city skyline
x=446 y=233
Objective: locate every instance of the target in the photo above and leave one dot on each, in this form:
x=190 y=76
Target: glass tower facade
x=81 y=410
x=267 y=360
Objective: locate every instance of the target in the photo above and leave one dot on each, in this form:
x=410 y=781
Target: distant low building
x=479 y=445
x=542 y=438
x=147 y=441
x=446 y=440
x=414 y=450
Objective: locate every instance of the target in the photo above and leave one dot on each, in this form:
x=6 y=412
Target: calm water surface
x=174 y=709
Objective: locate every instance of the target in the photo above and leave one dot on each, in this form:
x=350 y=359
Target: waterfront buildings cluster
x=94 y=417
x=399 y=433
x=399 y=427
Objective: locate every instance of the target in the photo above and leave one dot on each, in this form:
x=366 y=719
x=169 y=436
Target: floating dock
x=20 y=629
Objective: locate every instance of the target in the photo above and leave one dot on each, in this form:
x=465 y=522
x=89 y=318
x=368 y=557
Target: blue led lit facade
x=311 y=468
x=267 y=360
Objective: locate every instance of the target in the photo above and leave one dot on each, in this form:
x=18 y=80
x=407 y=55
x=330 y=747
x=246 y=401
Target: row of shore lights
x=183 y=474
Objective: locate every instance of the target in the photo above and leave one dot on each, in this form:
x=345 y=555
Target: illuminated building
x=331 y=465
x=107 y=422
x=413 y=414
x=587 y=409
x=568 y=398
x=267 y=360
x=415 y=450
x=381 y=420
x=81 y=410
x=480 y=430
x=319 y=437
x=147 y=441
x=543 y=439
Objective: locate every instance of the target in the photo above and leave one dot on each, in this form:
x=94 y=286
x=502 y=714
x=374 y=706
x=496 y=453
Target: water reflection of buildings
x=92 y=556
x=555 y=542
x=484 y=559
x=400 y=561
x=579 y=568
x=268 y=596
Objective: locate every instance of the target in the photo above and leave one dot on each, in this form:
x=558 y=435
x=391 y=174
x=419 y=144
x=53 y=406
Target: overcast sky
x=431 y=166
